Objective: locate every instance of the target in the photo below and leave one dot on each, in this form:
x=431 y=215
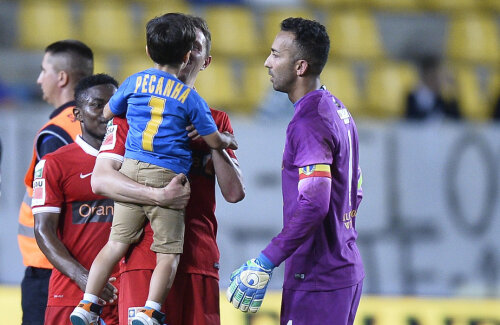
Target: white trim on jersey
x=86 y=147
x=109 y=155
x=46 y=210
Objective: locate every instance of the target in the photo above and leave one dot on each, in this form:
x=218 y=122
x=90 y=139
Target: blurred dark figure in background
x=496 y=108
x=432 y=99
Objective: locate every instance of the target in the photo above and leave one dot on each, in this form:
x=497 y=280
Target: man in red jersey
x=194 y=297
x=63 y=65
x=71 y=222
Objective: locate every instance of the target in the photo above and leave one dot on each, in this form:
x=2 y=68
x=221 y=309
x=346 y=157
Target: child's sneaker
x=148 y=316
x=86 y=313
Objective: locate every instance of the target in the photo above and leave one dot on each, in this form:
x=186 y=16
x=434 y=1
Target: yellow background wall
x=372 y=310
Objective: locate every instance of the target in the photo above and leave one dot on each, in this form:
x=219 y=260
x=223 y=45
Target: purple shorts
x=337 y=307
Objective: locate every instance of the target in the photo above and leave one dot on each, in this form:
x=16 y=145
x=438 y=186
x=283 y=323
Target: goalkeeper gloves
x=249 y=284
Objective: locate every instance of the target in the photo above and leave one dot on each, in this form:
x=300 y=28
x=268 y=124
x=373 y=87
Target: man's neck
x=64 y=97
x=173 y=70
x=302 y=87
x=92 y=141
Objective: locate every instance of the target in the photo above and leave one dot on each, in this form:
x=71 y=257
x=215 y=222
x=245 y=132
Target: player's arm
x=218 y=140
x=313 y=203
x=108 y=181
x=249 y=282
x=227 y=171
x=228 y=176
x=46 y=224
x=107 y=113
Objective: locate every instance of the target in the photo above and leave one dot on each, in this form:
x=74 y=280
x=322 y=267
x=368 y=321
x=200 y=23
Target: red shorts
x=193 y=299
x=60 y=314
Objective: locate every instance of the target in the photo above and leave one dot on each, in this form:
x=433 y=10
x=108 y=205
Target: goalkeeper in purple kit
x=321 y=184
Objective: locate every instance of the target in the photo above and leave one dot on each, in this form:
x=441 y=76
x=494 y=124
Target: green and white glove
x=249 y=284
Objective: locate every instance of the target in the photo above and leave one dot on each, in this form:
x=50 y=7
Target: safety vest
x=64 y=126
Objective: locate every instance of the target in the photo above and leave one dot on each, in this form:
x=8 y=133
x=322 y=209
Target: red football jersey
x=62 y=185
x=201 y=254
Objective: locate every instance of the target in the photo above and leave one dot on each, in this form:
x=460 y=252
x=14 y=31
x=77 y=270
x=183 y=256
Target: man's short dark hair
x=312 y=40
x=202 y=25
x=78 y=58
x=89 y=82
x=169 y=38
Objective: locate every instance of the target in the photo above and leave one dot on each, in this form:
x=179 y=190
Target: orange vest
x=64 y=126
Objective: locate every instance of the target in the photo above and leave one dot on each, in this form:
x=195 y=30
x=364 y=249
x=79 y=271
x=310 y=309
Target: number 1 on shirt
x=157 y=105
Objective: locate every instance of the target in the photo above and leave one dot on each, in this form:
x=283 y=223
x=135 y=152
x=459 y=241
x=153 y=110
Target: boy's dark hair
x=169 y=38
x=201 y=24
x=79 y=59
x=89 y=82
x=312 y=40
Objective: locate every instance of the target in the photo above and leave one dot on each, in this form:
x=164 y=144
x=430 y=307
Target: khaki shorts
x=129 y=219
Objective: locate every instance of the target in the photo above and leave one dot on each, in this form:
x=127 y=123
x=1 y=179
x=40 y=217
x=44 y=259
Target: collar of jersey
x=86 y=147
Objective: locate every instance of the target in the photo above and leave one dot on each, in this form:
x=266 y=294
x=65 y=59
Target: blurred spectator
x=432 y=99
x=5 y=93
x=496 y=109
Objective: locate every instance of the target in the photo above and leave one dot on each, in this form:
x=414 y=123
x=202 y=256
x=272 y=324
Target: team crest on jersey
x=110 y=138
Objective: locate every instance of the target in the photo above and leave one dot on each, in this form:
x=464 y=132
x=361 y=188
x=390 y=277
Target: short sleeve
x=47 y=188
x=118 y=102
x=113 y=146
x=200 y=115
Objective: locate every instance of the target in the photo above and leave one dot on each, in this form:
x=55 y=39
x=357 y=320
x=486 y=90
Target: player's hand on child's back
x=176 y=194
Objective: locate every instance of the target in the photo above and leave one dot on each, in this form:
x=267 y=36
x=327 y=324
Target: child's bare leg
x=163 y=276
x=103 y=265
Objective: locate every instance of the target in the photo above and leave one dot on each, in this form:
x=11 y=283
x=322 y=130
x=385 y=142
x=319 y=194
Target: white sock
x=152 y=304
x=90 y=297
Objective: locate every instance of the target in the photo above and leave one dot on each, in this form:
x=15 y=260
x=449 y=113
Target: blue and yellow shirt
x=159 y=107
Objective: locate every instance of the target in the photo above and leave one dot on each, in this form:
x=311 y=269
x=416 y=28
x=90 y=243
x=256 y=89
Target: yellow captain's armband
x=319 y=170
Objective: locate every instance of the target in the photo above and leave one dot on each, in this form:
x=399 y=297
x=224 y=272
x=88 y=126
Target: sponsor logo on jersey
x=85 y=175
x=344 y=115
x=110 y=138
x=39 y=169
x=38 y=192
x=92 y=211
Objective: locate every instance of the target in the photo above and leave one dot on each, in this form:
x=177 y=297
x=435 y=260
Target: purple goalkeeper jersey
x=320 y=250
